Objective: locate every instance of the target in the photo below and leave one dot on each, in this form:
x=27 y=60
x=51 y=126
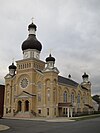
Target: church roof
x=67 y=81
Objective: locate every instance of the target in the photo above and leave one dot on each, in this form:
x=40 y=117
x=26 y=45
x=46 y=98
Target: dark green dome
x=50 y=58
x=12 y=66
x=31 y=43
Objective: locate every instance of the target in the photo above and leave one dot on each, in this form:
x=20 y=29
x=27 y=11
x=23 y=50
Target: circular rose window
x=24 y=83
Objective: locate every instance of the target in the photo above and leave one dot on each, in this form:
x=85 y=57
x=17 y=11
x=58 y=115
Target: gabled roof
x=88 y=105
x=25 y=94
x=84 y=87
x=67 y=81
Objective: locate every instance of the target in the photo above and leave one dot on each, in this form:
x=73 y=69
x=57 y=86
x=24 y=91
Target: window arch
x=65 y=96
x=48 y=94
x=39 y=97
x=84 y=98
x=39 y=85
x=60 y=94
x=55 y=82
x=78 y=98
x=72 y=97
x=48 y=83
x=54 y=95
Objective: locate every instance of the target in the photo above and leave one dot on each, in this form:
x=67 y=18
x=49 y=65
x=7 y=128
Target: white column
x=68 y=112
x=71 y=112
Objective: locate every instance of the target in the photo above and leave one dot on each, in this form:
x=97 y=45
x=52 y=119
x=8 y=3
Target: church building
x=34 y=88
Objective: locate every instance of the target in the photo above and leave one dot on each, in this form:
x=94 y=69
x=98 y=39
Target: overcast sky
x=70 y=28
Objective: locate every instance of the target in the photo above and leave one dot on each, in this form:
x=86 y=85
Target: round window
x=24 y=83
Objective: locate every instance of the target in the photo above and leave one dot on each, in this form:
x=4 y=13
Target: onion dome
x=85 y=75
x=31 y=42
x=32 y=26
x=12 y=66
x=50 y=58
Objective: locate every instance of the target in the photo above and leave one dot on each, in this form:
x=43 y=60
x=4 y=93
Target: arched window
x=26 y=105
x=54 y=95
x=78 y=98
x=39 y=85
x=72 y=97
x=48 y=83
x=65 y=96
x=19 y=105
x=84 y=98
x=60 y=94
x=54 y=82
x=48 y=94
x=39 y=97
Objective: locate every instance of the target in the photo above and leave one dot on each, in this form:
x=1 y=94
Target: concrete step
x=24 y=115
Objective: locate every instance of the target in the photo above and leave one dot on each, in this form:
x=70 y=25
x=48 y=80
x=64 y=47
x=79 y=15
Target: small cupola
x=12 y=69
x=85 y=77
x=50 y=58
x=32 y=28
x=50 y=61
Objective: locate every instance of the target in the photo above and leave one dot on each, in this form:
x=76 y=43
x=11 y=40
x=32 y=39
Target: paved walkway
x=56 y=119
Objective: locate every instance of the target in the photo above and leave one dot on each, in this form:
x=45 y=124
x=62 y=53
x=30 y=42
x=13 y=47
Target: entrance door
x=26 y=105
x=60 y=112
x=19 y=106
x=65 y=111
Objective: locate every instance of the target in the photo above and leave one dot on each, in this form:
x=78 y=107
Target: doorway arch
x=19 y=106
x=26 y=105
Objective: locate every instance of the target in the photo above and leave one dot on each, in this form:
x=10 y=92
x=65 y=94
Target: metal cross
x=12 y=60
x=32 y=19
x=50 y=50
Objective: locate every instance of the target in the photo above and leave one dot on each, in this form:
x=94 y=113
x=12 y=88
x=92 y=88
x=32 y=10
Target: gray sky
x=71 y=28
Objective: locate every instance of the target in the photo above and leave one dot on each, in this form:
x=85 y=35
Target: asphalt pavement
x=33 y=126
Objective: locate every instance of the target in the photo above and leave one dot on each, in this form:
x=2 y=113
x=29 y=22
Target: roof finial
x=50 y=51
x=12 y=60
x=32 y=19
x=69 y=76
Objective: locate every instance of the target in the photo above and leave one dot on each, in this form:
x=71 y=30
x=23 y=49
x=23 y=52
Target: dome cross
x=32 y=19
